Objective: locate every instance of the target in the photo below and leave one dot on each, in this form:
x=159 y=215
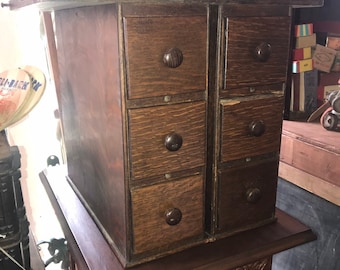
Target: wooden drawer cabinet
x=171 y=117
x=170 y=110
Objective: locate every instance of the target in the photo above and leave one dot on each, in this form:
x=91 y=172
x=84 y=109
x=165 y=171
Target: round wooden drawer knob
x=173 y=216
x=263 y=51
x=173 y=58
x=253 y=195
x=257 y=128
x=173 y=141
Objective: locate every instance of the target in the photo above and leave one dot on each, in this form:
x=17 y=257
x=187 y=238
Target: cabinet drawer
x=247 y=196
x=256 y=52
x=182 y=41
x=250 y=126
x=169 y=138
x=166 y=213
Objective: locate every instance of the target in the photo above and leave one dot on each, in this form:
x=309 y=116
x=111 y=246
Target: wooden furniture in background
x=310 y=159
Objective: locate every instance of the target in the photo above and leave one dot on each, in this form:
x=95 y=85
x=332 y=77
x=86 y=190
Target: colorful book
x=302 y=30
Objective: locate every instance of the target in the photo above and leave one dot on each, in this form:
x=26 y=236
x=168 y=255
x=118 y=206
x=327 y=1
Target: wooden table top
x=91 y=250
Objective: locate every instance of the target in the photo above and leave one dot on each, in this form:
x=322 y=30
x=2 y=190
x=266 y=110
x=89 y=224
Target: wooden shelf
x=84 y=237
x=310 y=157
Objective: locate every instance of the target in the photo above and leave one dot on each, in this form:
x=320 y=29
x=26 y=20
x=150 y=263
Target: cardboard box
x=302 y=53
x=302 y=65
x=323 y=58
x=303 y=30
x=306 y=41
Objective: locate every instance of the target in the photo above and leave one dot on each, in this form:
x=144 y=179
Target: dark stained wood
x=56 y=4
x=166 y=100
x=91 y=110
x=232 y=10
x=148 y=130
x=237 y=115
x=86 y=242
x=137 y=141
x=149 y=205
x=161 y=9
x=243 y=35
x=148 y=39
x=213 y=95
x=227 y=253
x=252 y=189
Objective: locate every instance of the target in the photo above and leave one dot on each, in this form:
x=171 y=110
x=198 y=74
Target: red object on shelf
x=327 y=27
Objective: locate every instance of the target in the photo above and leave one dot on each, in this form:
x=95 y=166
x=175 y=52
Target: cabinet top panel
x=56 y=4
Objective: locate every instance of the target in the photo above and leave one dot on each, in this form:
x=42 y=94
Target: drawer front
x=250 y=126
x=166 y=213
x=257 y=50
x=164 y=139
x=165 y=55
x=247 y=196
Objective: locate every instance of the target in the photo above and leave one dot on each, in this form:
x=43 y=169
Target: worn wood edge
x=77 y=241
x=66 y=230
x=311 y=183
x=269 y=249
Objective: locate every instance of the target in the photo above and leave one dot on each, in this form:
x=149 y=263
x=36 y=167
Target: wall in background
x=22 y=43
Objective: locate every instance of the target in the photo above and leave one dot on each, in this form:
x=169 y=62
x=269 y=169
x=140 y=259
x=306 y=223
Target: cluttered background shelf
x=315 y=69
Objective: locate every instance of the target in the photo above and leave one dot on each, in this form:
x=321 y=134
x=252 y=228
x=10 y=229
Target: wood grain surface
x=238 y=114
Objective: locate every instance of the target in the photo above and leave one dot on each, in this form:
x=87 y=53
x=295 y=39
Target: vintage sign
x=20 y=90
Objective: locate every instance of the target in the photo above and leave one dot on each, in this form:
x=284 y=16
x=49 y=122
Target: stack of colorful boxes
x=304 y=77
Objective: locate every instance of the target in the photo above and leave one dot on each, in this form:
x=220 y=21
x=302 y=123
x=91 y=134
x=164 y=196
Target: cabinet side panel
x=91 y=111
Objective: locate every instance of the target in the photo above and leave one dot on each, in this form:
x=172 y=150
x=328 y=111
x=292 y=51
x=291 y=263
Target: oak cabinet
x=171 y=115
